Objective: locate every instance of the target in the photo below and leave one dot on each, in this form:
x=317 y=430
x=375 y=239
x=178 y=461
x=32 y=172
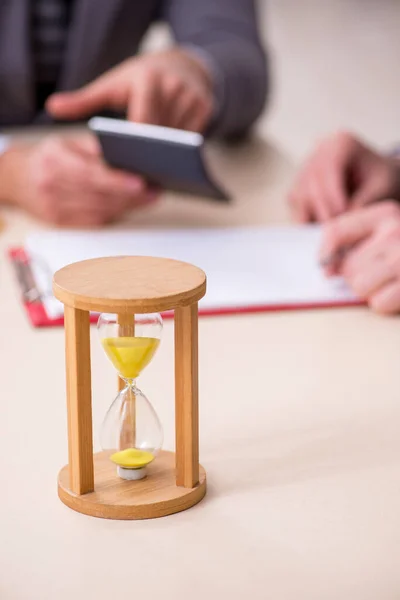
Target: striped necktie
x=50 y=22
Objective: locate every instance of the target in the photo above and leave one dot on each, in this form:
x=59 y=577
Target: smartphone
x=169 y=158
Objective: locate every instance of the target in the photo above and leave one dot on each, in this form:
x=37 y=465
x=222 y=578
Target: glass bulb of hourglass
x=131 y=430
x=130 y=346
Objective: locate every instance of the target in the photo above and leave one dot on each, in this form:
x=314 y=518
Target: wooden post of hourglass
x=79 y=400
x=186 y=396
x=127 y=286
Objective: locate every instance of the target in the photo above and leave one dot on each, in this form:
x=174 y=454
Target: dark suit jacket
x=105 y=32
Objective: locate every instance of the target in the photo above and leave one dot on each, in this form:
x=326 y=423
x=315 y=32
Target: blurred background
x=335 y=64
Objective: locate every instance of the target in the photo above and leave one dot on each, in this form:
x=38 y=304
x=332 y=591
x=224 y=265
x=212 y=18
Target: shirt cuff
x=215 y=73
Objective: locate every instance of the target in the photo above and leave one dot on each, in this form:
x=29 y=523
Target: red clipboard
x=38 y=317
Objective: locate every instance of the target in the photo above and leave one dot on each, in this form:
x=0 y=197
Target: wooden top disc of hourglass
x=136 y=284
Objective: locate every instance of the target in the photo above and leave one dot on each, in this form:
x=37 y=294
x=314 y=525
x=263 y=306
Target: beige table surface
x=299 y=416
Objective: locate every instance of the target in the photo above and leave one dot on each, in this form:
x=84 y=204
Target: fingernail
x=55 y=98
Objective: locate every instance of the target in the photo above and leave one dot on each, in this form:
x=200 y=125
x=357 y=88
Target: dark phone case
x=169 y=164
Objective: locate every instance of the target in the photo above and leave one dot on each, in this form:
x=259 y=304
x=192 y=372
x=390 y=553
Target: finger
x=367 y=193
x=299 y=208
x=380 y=249
x=102 y=93
x=64 y=211
x=93 y=202
x=172 y=91
x=299 y=195
x=195 y=113
x=66 y=166
x=299 y=201
x=80 y=168
x=347 y=230
x=110 y=206
x=323 y=184
x=326 y=189
x=85 y=145
x=319 y=207
x=336 y=198
x=387 y=299
x=337 y=160
x=112 y=182
x=370 y=250
x=327 y=179
x=100 y=187
x=144 y=100
x=186 y=105
x=371 y=277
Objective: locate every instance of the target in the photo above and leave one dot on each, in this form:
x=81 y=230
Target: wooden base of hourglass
x=126 y=286
x=114 y=498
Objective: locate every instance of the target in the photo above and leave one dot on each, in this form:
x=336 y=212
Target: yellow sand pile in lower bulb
x=131 y=458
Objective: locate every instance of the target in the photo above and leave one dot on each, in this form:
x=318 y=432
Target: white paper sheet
x=245 y=267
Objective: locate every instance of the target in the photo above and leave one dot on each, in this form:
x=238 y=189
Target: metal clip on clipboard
x=26 y=280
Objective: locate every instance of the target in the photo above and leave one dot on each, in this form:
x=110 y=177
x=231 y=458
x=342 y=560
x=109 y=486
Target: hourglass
x=131 y=429
x=132 y=477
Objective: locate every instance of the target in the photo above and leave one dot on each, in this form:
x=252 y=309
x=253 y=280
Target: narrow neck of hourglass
x=130 y=383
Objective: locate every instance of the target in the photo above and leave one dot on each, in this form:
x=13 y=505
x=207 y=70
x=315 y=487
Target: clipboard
x=32 y=299
x=30 y=295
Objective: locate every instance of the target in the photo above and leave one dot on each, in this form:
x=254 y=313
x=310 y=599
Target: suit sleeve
x=227 y=31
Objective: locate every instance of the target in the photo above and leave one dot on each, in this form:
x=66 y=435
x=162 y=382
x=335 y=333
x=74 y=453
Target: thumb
x=81 y=103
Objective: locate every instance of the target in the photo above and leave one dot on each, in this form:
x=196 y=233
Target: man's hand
x=169 y=88
x=65 y=182
x=364 y=247
x=342 y=174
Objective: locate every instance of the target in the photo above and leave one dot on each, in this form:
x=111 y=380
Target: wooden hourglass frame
x=127 y=286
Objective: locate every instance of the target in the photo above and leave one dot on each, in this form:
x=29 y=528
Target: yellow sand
x=132 y=458
x=130 y=355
